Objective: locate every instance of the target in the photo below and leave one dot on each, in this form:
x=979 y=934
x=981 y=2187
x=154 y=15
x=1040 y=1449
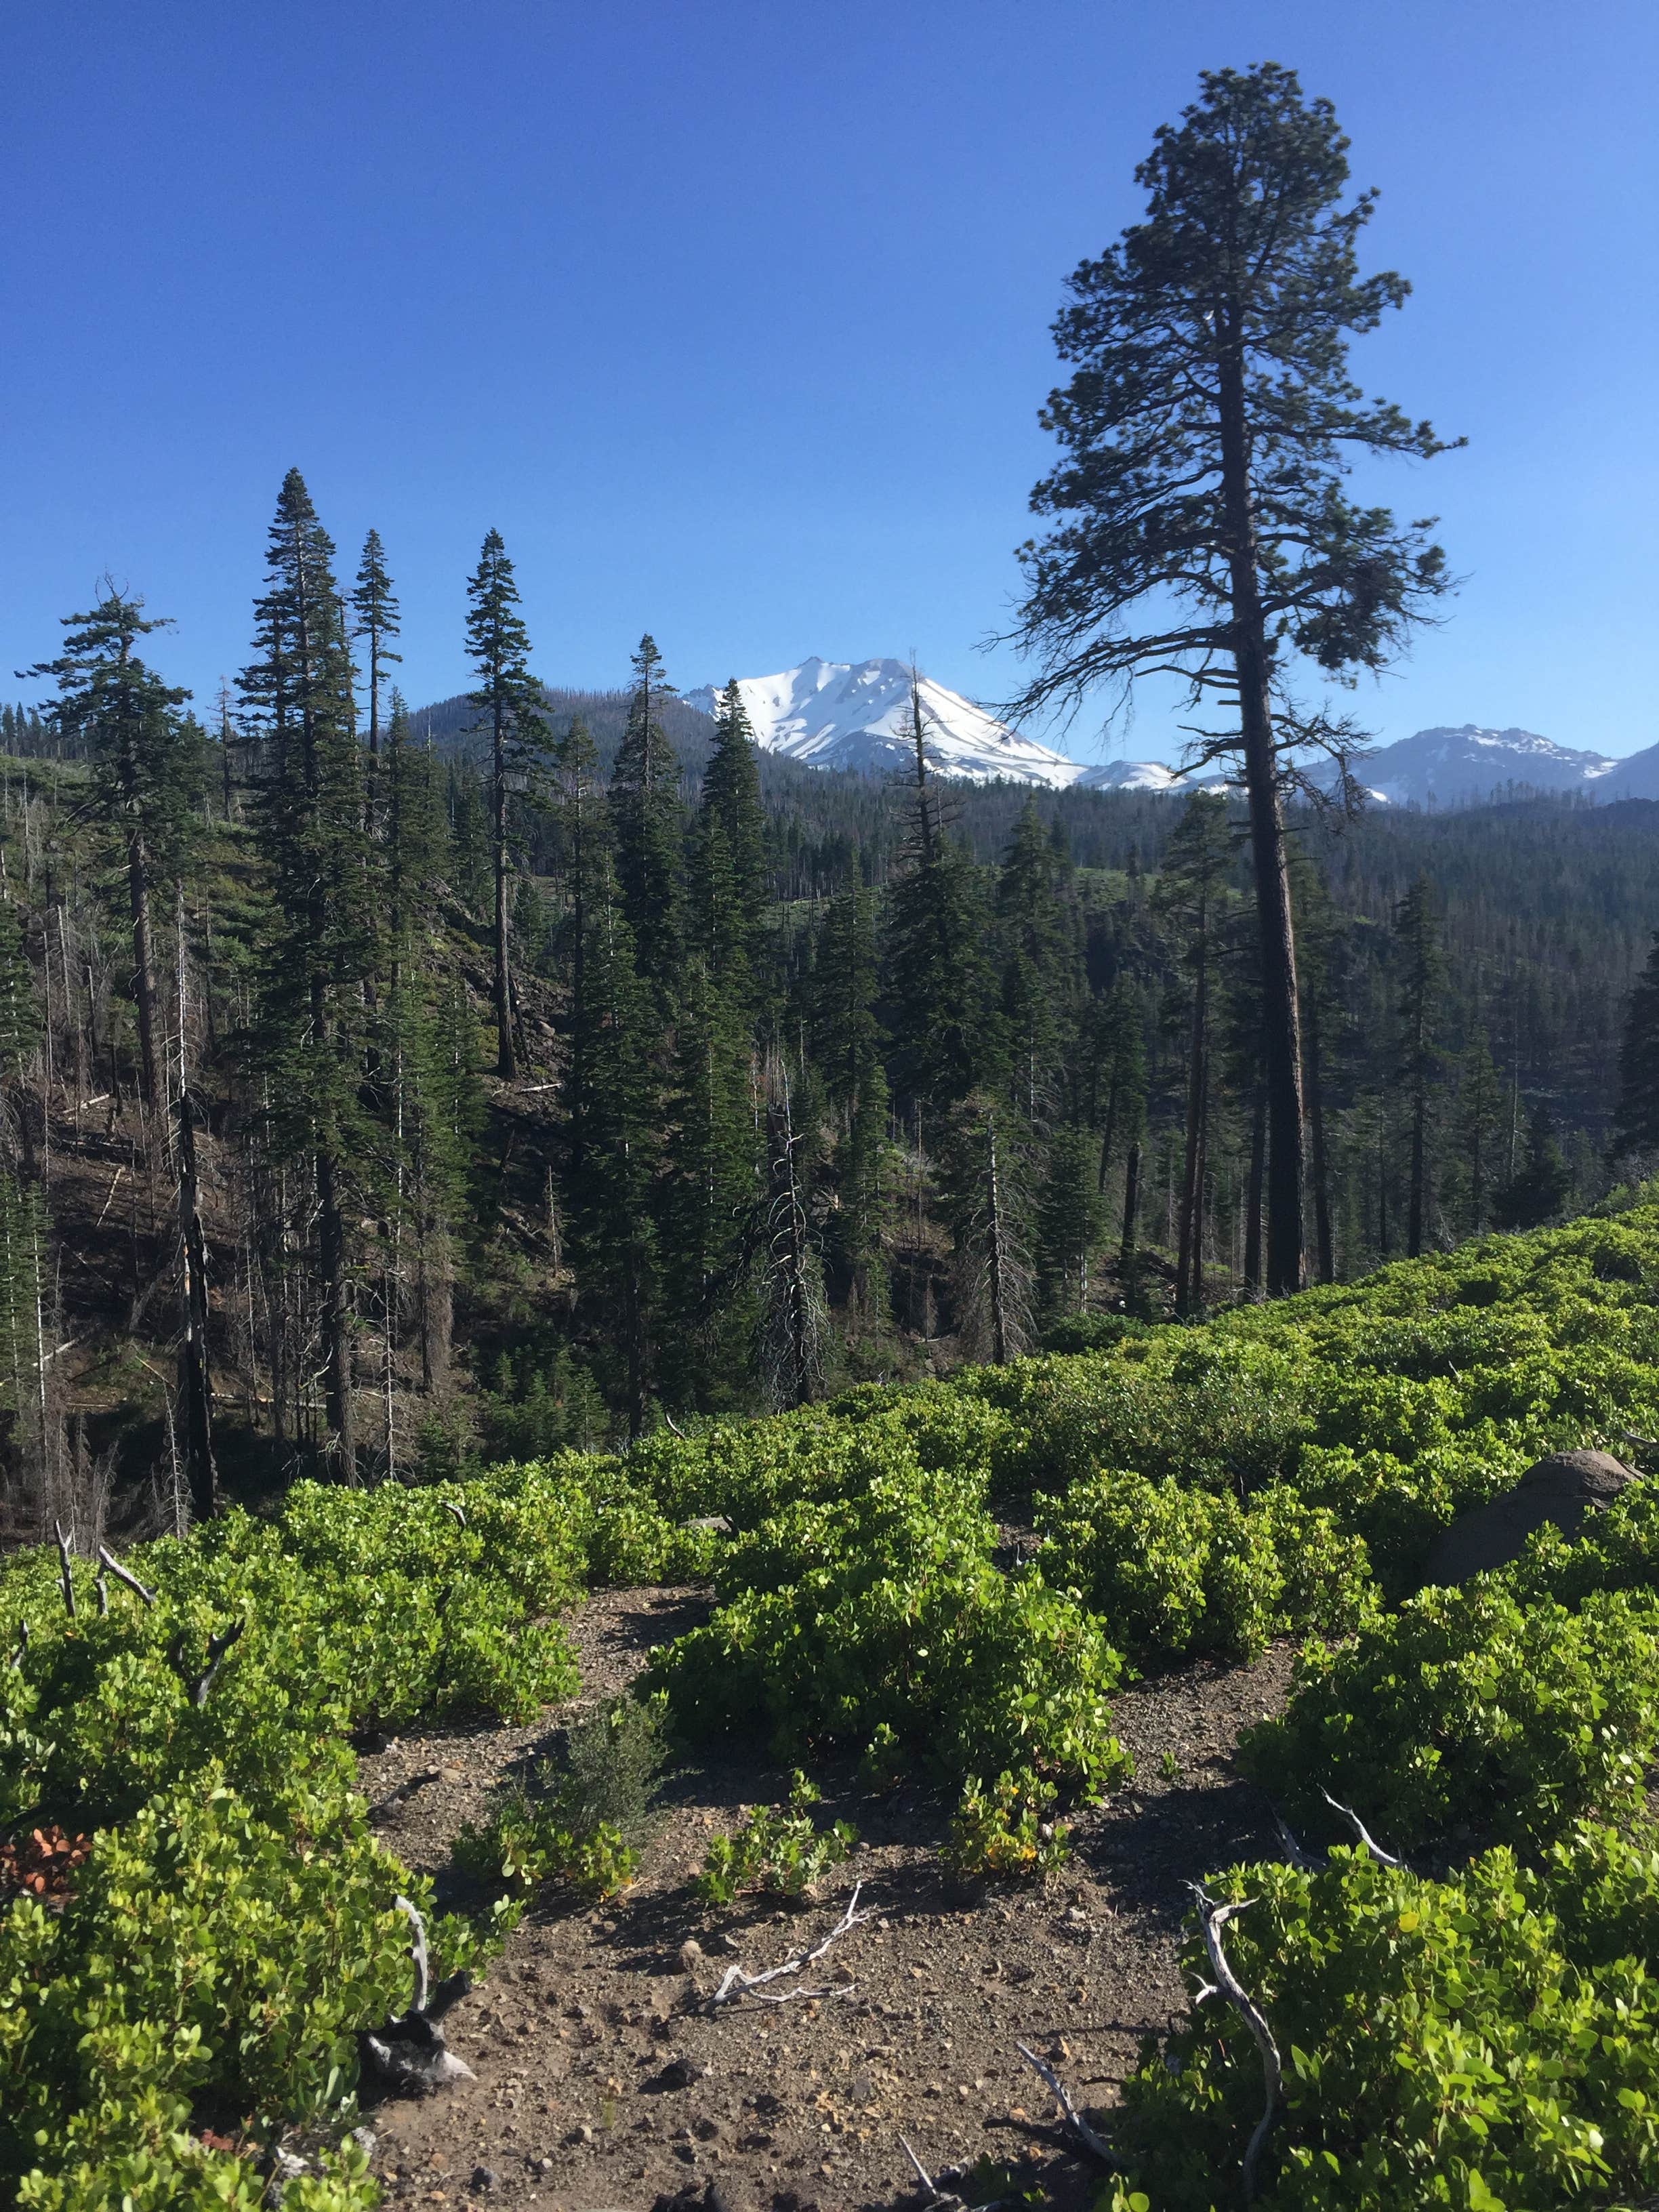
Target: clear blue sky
x=732 y=316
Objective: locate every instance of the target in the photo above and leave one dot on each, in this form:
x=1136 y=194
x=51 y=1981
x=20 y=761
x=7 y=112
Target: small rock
x=583 y=2133
x=451 y=1774
x=681 y=2072
x=690 y=1955
x=484 y=2177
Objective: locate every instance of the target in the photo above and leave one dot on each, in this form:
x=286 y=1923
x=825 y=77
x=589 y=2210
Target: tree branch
x=108 y=1558
x=737 y=1983
x=1213 y=1919
x=1383 y=1857
x=1094 y=2144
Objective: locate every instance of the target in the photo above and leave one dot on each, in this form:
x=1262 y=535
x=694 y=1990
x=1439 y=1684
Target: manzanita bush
x=196 y=1922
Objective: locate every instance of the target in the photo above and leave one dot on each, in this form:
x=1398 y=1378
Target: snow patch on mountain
x=1451 y=767
x=857 y=714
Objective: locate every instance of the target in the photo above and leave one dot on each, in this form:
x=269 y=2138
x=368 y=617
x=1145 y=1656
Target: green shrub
x=1443 y=2044
x=1009 y=1829
x=883 y=1608
x=578 y=1822
x=1173 y=1571
x=779 y=1849
x=1464 y=1708
x=205 y=1949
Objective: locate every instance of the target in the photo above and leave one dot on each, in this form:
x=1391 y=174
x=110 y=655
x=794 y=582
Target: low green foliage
x=1009 y=1829
x=1466 y=1708
x=779 y=1849
x=1174 y=1571
x=579 y=1821
x=883 y=1608
x=1486 y=2042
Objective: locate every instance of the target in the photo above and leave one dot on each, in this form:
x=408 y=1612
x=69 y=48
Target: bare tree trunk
x=1192 y=1166
x=791 y=1346
x=1281 y=1014
x=143 y=967
x=1325 y=1249
x=997 y=1256
x=195 y=1379
x=1416 y=1197
x=506 y=1058
x=1127 y=1249
x=1253 y=1193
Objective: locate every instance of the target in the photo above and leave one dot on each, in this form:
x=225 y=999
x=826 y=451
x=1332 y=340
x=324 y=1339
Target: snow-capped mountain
x=856 y=714
x=1456 y=767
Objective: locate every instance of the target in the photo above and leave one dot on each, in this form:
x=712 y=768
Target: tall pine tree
x=648 y=830
x=310 y=1040
x=508 y=701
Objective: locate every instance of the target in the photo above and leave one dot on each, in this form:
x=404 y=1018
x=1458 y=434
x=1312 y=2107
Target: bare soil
x=606 y=2082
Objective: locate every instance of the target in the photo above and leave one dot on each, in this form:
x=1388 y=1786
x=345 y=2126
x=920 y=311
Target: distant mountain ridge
x=855 y=716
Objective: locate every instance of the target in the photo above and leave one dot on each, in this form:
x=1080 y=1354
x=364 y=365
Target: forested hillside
x=386 y=1091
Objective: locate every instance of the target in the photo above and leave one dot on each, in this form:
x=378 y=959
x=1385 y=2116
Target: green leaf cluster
x=778 y=1849
x=1174 y=1571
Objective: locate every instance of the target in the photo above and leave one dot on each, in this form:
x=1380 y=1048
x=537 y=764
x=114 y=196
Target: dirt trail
x=603 y=2086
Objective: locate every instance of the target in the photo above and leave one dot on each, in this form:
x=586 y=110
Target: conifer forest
x=392 y=1090
x=729 y=1488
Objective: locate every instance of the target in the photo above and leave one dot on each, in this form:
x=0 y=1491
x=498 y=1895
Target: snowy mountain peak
x=857 y=714
x=1445 y=767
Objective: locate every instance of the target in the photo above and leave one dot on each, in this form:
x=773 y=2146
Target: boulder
x=1562 y=1488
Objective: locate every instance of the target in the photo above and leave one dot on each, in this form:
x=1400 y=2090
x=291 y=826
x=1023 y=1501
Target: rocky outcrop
x=1562 y=1488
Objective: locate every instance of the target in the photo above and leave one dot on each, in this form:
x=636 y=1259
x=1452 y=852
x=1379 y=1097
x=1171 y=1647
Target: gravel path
x=603 y=2083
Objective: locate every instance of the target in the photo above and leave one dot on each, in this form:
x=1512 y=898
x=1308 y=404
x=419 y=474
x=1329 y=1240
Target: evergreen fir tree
x=1192 y=892
x=1035 y=986
x=709 y=1198
x=1068 y=1222
x=613 y=1100
x=944 y=1033
x=846 y=1049
x=732 y=803
x=1540 y=1188
x=1479 y=1122
x=508 y=700
x=149 y=774
x=310 y=1041
x=647 y=830
x=375 y=607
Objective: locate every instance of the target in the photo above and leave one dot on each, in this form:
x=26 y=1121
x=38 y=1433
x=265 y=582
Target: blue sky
x=733 y=317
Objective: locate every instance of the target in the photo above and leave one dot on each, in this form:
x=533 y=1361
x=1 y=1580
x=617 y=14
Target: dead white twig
x=918 y=2168
x=737 y=1983
x=1094 y=2144
x=1213 y=1919
x=22 y=1643
x=1293 y=1850
x=108 y=1558
x=1383 y=1857
x=460 y=1517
